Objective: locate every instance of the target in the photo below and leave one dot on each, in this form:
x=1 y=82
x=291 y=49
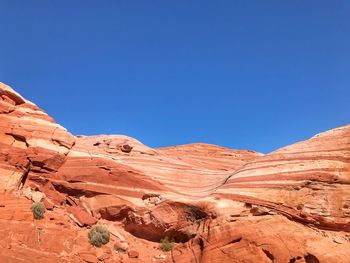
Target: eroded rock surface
x=307 y=181
x=216 y=204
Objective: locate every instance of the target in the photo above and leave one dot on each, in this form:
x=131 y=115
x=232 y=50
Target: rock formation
x=214 y=203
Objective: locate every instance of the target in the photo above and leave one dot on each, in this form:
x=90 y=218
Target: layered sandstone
x=218 y=204
x=307 y=181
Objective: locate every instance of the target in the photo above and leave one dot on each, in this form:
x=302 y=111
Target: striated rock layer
x=307 y=181
x=216 y=204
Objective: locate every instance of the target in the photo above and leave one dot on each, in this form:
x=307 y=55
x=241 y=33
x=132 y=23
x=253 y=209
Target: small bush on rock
x=38 y=210
x=166 y=245
x=98 y=236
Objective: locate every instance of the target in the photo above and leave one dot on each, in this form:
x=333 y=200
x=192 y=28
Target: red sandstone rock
x=307 y=181
x=125 y=148
x=88 y=257
x=120 y=246
x=133 y=254
x=82 y=217
x=220 y=205
x=48 y=205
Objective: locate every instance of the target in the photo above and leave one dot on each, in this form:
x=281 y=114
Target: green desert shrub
x=166 y=244
x=98 y=236
x=38 y=210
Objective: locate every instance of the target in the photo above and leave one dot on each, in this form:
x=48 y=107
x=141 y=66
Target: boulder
x=81 y=216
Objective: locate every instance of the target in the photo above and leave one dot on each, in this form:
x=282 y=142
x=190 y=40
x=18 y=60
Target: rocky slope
x=217 y=204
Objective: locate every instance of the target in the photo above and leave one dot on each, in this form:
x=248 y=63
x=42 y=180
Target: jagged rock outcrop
x=217 y=204
x=31 y=142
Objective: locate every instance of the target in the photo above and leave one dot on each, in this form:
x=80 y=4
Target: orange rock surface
x=215 y=204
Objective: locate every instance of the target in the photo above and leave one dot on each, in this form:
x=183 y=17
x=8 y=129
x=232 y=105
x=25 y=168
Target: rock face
x=307 y=181
x=216 y=204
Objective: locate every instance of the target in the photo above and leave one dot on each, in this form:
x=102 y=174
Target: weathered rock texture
x=307 y=181
x=217 y=204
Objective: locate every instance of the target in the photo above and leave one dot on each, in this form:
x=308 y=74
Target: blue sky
x=242 y=74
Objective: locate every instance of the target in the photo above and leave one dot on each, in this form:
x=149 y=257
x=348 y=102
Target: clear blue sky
x=242 y=74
